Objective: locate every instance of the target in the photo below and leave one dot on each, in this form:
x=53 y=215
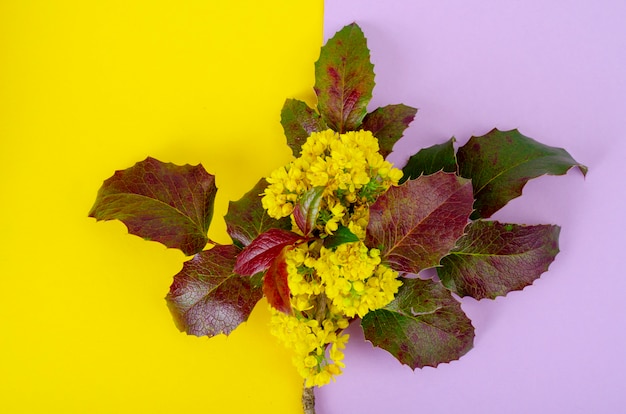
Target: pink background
x=557 y=71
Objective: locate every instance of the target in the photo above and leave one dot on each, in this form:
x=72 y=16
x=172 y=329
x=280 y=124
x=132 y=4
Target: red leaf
x=260 y=254
x=344 y=79
x=424 y=326
x=416 y=224
x=493 y=259
x=207 y=298
x=160 y=201
x=275 y=284
x=388 y=124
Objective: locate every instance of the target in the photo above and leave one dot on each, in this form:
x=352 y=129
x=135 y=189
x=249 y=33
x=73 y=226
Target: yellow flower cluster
x=309 y=339
x=331 y=286
x=348 y=166
x=354 y=280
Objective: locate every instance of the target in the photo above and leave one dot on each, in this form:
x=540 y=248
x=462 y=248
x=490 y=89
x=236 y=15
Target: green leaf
x=423 y=326
x=416 y=224
x=340 y=236
x=501 y=162
x=299 y=121
x=207 y=298
x=344 y=79
x=388 y=124
x=247 y=219
x=430 y=160
x=160 y=201
x=493 y=259
x=307 y=210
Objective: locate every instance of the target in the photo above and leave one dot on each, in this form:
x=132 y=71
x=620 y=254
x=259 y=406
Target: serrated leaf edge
x=427 y=365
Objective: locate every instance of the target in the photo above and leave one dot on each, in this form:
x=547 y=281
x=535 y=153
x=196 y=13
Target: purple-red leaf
x=160 y=201
x=260 y=254
x=500 y=164
x=423 y=326
x=344 y=79
x=207 y=298
x=388 y=124
x=416 y=224
x=299 y=121
x=308 y=208
x=247 y=219
x=276 y=286
x=493 y=259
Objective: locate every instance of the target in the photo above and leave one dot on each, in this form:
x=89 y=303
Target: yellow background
x=89 y=87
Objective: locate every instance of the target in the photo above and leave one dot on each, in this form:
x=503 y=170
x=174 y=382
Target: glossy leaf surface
x=160 y=201
x=388 y=124
x=430 y=160
x=493 y=259
x=247 y=219
x=207 y=298
x=416 y=224
x=340 y=236
x=276 y=286
x=344 y=79
x=260 y=254
x=423 y=326
x=307 y=210
x=299 y=121
x=500 y=164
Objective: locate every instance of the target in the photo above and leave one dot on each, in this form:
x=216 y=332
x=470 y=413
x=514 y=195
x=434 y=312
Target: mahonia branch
x=308 y=400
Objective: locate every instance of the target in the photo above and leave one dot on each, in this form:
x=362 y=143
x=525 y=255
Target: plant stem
x=308 y=400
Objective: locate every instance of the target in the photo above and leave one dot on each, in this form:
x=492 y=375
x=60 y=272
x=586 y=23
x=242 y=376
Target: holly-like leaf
x=501 y=162
x=247 y=219
x=207 y=298
x=430 y=160
x=388 y=124
x=260 y=254
x=308 y=208
x=416 y=224
x=299 y=121
x=344 y=79
x=160 y=201
x=276 y=286
x=340 y=236
x=423 y=326
x=493 y=259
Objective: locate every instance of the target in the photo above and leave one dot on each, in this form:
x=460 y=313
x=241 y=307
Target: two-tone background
x=90 y=87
